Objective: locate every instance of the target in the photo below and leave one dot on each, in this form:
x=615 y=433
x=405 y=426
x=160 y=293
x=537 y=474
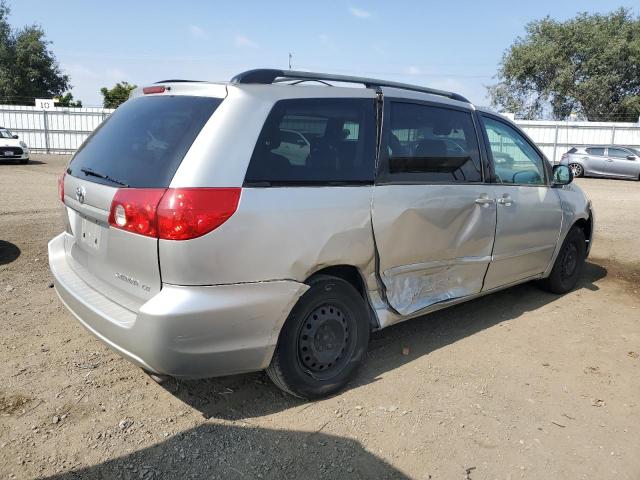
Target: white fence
x=62 y=130
x=555 y=138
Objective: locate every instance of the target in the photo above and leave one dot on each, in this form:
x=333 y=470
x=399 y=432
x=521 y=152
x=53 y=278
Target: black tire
x=24 y=161
x=576 y=169
x=568 y=265
x=323 y=341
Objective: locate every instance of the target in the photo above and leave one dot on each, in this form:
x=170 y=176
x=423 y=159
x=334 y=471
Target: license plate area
x=8 y=153
x=90 y=233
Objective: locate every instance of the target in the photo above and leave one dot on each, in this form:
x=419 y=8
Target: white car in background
x=294 y=146
x=11 y=148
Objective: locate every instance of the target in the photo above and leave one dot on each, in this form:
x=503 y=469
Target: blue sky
x=450 y=45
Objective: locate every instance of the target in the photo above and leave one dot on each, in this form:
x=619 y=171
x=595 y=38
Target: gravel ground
x=520 y=384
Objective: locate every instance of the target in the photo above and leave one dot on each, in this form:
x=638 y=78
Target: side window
x=515 y=160
x=596 y=151
x=432 y=144
x=314 y=141
x=618 y=153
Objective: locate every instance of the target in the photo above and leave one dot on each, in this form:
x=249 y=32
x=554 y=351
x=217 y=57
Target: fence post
x=613 y=134
x=555 y=146
x=46 y=131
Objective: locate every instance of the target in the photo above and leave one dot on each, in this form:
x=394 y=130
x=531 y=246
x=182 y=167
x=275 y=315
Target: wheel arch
x=352 y=275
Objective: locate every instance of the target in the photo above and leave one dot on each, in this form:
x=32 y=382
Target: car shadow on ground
x=230 y=452
x=30 y=162
x=253 y=395
x=8 y=252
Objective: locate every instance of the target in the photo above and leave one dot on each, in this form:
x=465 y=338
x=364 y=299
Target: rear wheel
x=576 y=169
x=323 y=341
x=568 y=265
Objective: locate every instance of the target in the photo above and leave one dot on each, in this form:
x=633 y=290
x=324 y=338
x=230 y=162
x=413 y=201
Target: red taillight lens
x=154 y=89
x=186 y=213
x=134 y=210
x=61 y=186
x=174 y=213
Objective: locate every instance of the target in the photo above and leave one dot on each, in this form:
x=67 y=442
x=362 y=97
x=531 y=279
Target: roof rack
x=267 y=76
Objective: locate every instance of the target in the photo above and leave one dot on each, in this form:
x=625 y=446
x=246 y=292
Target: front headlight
x=23 y=145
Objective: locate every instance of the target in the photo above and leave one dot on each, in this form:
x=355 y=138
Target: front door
x=622 y=163
x=433 y=216
x=529 y=211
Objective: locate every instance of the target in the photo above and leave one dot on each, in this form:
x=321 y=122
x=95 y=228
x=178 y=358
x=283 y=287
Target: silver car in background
x=197 y=245
x=603 y=161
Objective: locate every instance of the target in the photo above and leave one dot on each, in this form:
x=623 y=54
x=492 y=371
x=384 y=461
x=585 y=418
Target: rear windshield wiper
x=93 y=173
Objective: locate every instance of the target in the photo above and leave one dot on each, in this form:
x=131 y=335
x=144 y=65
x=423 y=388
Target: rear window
x=315 y=141
x=143 y=142
x=572 y=150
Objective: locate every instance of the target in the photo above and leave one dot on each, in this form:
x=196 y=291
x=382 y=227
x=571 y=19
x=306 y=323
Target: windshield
x=4 y=133
x=143 y=142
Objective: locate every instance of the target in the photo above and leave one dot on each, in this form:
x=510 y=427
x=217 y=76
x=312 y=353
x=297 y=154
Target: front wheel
x=568 y=265
x=323 y=341
x=576 y=169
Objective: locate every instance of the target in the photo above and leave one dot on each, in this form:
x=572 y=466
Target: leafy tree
x=28 y=69
x=67 y=100
x=117 y=95
x=589 y=65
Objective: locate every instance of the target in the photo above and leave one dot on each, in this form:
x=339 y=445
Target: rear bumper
x=183 y=331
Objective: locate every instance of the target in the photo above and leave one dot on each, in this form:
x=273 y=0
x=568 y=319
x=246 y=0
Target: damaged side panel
x=434 y=242
x=276 y=234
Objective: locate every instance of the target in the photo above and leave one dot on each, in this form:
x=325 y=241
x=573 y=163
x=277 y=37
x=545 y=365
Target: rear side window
x=143 y=142
x=315 y=141
x=598 y=151
x=432 y=144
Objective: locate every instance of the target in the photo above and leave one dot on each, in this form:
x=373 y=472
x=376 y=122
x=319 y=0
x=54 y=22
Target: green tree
x=117 y=95
x=67 y=100
x=28 y=69
x=589 y=65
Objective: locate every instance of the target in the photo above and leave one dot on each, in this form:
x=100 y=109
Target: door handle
x=609 y=160
x=505 y=200
x=484 y=200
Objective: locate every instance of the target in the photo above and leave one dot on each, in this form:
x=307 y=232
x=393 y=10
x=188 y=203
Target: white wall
x=555 y=138
x=61 y=130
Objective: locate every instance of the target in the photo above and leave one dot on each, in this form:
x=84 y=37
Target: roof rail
x=267 y=76
x=179 y=80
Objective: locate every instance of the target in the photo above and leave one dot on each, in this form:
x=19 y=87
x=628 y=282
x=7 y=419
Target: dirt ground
x=520 y=384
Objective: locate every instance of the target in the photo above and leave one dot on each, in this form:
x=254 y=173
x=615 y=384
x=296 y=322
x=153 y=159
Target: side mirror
x=631 y=157
x=15 y=136
x=562 y=175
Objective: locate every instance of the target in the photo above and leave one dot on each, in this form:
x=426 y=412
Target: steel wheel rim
x=326 y=341
x=569 y=260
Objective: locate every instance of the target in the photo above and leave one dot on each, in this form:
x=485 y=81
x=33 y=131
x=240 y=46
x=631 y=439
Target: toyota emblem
x=80 y=193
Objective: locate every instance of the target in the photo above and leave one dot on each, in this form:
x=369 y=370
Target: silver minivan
x=196 y=246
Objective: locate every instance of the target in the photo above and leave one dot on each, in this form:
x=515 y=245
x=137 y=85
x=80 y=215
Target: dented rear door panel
x=434 y=242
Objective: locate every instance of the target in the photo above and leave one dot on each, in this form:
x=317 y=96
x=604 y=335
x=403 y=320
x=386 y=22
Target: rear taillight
x=186 y=213
x=134 y=210
x=174 y=213
x=61 y=186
